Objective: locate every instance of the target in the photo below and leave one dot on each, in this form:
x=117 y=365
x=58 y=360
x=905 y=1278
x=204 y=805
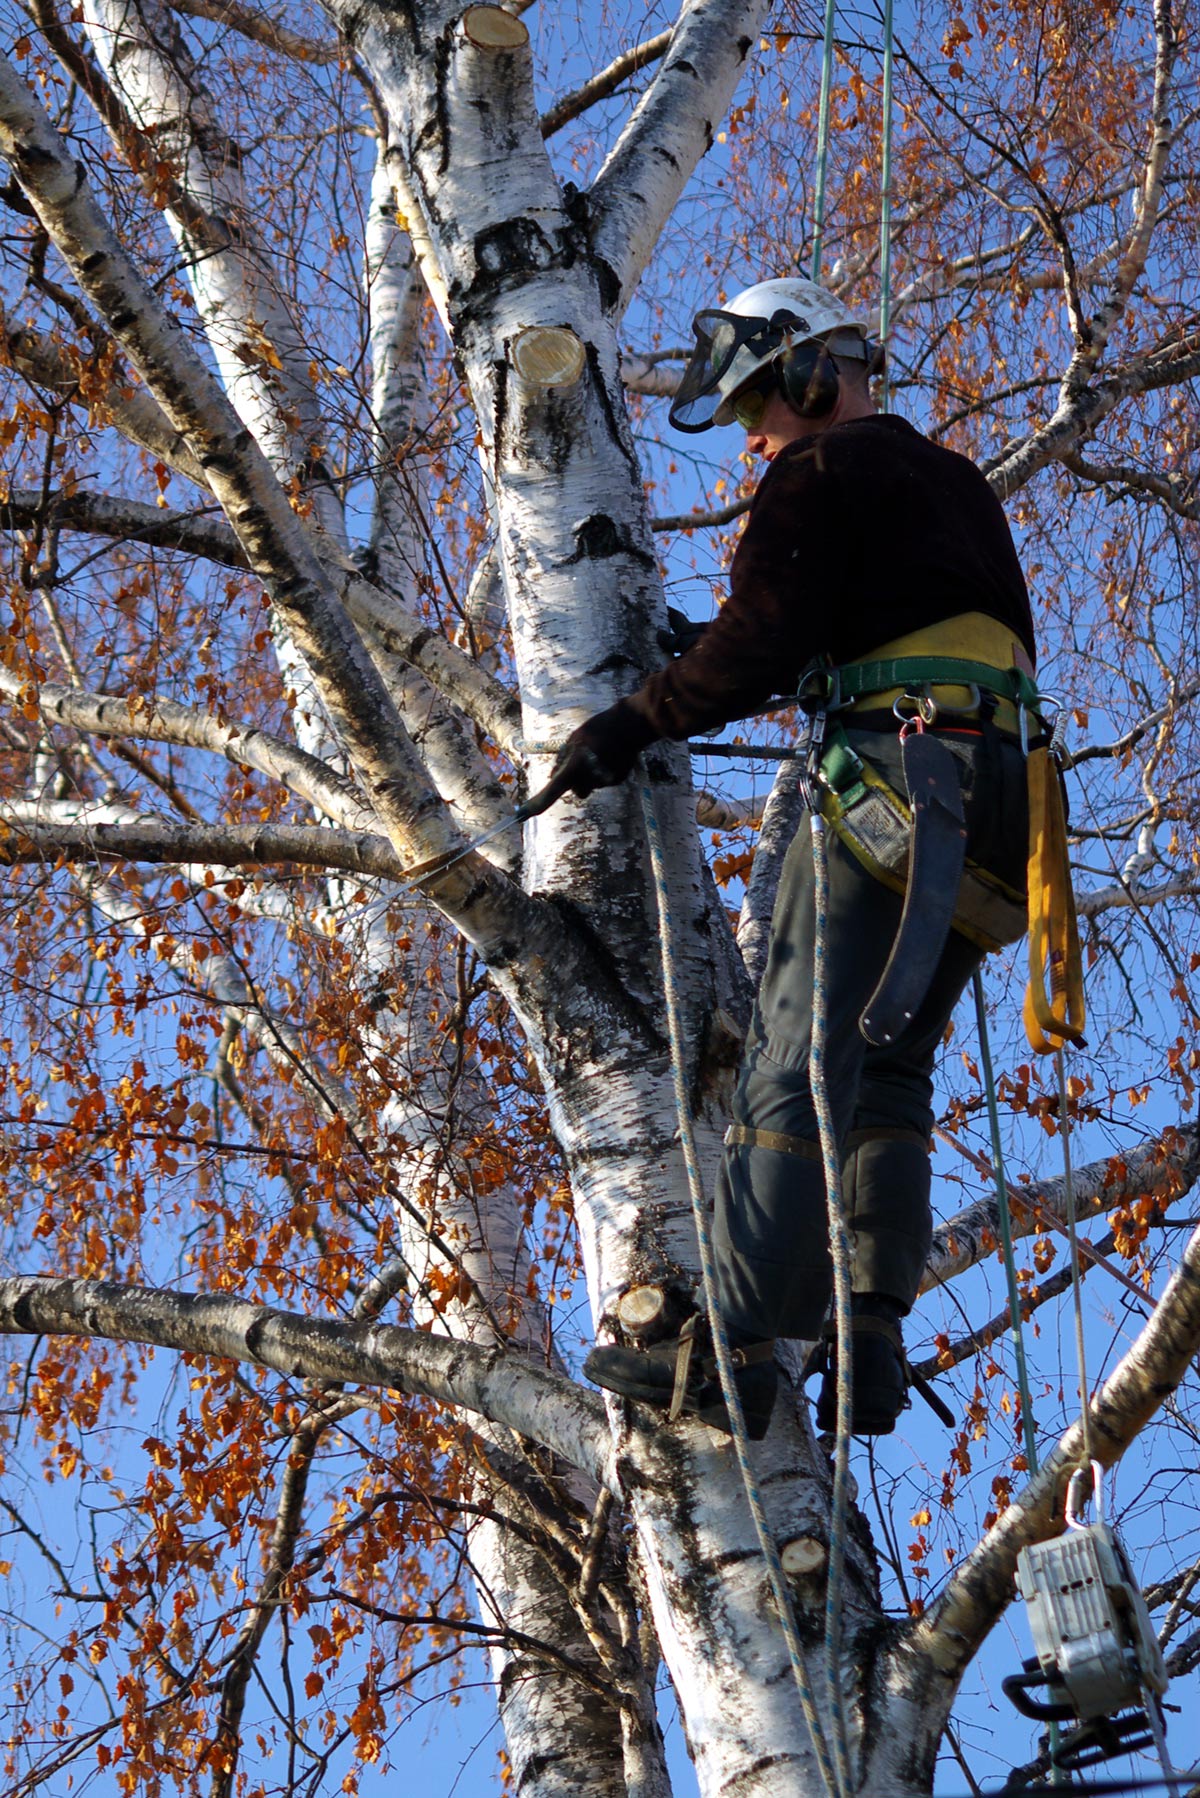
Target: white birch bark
x=248 y=320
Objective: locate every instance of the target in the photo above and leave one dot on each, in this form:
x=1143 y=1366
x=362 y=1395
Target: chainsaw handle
x=558 y=784
x=1016 y=1690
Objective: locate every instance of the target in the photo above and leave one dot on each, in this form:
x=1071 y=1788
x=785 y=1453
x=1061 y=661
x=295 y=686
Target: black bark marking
x=747 y=1780
x=598 y=538
x=441 y=76
x=518 y=245
x=500 y=375
x=683 y=65
x=23 y=1315
x=611 y=419
x=609 y=283
x=255 y=1334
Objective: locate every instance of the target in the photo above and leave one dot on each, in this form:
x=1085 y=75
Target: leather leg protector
x=770 y=1235
x=885 y=1189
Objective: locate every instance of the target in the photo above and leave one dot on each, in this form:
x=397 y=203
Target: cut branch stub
x=639 y=1308
x=548 y=356
x=491 y=28
x=803 y=1556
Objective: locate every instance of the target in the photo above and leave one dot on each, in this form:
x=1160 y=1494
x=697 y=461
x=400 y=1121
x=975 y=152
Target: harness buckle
x=819 y=689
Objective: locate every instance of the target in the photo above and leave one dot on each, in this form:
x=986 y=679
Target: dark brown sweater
x=855 y=537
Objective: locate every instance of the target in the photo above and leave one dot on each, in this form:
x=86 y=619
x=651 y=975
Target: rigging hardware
x=1096 y=1655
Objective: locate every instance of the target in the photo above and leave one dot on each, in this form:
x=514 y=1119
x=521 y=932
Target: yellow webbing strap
x=1054 y=1008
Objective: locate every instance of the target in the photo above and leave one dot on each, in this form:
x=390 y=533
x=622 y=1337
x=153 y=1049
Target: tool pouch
x=875 y=823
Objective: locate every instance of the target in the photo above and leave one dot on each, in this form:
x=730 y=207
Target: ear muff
x=808 y=379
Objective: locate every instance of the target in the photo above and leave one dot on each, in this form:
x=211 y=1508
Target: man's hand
x=601 y=753
x=684 y=633
x=582 y=770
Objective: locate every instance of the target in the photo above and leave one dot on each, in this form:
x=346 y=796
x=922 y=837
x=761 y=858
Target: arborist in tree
x=876 y=580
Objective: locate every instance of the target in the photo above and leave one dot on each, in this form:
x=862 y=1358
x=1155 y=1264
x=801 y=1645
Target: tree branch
x=262 y=29
x=503 y=1387
x=978 y=1340
x=90 y=381
x=671 y=128
x=1163 y=1170
x=695 y=521
x=276 y=544
x=215 y=845
x=605 y=83
x=127 y=521
x=1171 y=489
x=1075 y=419
x=165 y=721
x=486 y=701
x=1093 y=338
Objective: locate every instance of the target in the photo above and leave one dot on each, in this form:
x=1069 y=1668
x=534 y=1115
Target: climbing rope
x=840 y=1252
x=725 y=1370
x=1010 y=1272
x=823 y=139
x=1006 y=1248
x=885 y=203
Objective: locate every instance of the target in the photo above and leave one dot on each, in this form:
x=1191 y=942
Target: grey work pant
x=770 y=1226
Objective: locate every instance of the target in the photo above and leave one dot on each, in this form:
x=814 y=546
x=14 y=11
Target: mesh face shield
x=729 y=351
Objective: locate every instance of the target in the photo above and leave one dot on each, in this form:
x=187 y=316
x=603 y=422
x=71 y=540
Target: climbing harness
x=1096 y=1654
x=914 y=842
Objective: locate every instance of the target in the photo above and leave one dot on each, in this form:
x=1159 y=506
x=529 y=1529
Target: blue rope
x=716 y=1322
x=840 y=1252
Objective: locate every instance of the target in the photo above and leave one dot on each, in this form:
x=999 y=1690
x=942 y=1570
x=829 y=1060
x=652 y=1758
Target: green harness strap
x=857 y=679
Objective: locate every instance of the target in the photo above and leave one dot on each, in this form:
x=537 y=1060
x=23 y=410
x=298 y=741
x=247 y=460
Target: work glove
x=602 y=752
x=683 y=634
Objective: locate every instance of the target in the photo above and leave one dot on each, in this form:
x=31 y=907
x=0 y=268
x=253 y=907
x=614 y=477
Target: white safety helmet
x=736 y=343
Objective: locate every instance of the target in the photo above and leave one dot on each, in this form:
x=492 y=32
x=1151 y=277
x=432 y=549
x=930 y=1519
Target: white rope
x=840 y=1253
x=725 y=1370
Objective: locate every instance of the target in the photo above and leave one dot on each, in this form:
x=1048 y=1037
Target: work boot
x=880 y=1390
x=680 y=1375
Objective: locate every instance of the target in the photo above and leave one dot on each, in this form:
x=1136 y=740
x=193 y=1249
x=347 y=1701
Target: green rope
x=885 y=207
x=708 y=1273
x=1010 y=1270
x=823 y=139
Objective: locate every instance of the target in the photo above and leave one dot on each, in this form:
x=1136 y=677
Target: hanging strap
x=936 y=856
x=1054 y=1007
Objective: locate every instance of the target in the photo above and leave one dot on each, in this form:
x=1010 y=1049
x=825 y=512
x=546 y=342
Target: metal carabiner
x=1077 y=1499
x=924 y=713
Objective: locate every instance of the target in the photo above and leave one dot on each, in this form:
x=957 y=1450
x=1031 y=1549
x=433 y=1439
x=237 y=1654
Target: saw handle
x=558 y=784
x=1016 y=1688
